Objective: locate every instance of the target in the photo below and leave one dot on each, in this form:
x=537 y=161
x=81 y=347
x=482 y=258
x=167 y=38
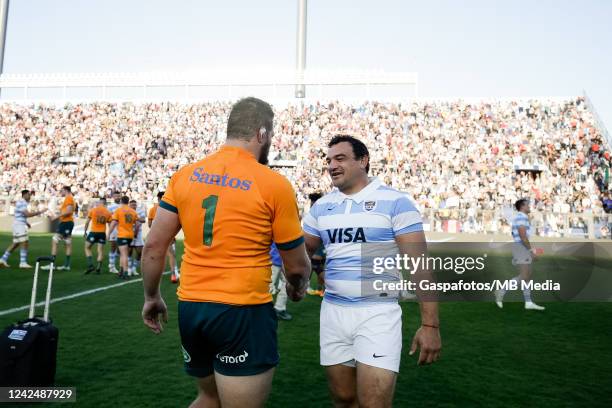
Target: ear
x=261 y=134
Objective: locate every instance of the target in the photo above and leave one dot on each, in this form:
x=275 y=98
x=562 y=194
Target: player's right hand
x=154 y=311
x=295 y=294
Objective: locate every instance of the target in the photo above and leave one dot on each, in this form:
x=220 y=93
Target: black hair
x=125 y=200
x=313 y=197
x=359 y=149
x=24 y=192
x=67 y=188
x=519 y=203
x=160 y=195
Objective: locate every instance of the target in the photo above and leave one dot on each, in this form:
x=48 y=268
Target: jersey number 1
x=209 y=204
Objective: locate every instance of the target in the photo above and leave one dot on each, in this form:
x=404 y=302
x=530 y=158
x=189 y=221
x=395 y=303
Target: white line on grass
x=74 y=295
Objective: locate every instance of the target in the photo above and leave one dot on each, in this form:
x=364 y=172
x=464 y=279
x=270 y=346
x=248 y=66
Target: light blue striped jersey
x=113 y=206
x=143 y=216
x=521 y=220
x=21 y=206
x=377 y=214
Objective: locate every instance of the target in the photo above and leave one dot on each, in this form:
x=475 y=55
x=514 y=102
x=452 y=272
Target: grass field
x=560 y=357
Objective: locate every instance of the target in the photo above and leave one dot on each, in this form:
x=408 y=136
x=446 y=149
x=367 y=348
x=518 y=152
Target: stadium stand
x=464 y=163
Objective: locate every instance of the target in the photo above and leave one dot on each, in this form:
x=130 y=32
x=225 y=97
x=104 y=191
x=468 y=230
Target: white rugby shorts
x=370 y=334
x=20 y=233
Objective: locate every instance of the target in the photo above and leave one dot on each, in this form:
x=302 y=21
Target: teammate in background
x=171 y=255
x=124 y=219
x=20 y=231
x=522 y=254
x=137 y=244
x=112 y=255
x=278 y=285
x=231 y=207
x=64 y=229
x=318 y=258
x=98 y=216
x=361 y=334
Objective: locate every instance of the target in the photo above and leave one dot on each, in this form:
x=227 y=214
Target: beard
x=263 y=154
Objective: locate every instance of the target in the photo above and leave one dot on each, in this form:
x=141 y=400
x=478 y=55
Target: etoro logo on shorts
x=233 y=360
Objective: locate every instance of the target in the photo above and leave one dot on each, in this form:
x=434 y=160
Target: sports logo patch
x=186 y=355
x=369 y=205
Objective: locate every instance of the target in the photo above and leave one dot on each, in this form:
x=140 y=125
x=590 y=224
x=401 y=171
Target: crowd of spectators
x=448 y=155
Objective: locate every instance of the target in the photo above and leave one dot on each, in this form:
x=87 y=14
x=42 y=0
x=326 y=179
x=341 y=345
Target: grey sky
x=459 y=48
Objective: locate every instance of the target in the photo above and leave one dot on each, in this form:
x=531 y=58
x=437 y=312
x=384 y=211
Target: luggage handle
x=35 y=286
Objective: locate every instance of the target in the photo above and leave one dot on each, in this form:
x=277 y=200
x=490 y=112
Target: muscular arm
x=29 y=214
x=523 y=235
x=112 y=227
x=427 y=336
x=296 y=267
x=166 y=226
x=86 y=225
x=312 y=244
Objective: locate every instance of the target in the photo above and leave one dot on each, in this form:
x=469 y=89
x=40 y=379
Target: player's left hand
x=154 y=312
x=428 y=340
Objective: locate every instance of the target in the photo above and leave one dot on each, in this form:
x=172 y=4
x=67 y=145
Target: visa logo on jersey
x=345 y=235
x=200 y=176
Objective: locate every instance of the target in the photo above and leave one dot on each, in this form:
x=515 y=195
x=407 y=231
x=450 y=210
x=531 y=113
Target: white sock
x=23 y=255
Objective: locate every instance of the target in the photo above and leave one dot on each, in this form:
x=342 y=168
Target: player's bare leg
x=99 y=258
x=68 y=249
x=112 y=255
x=136 y=257
x=207 y=394
x=342 y=382
x=171 y=254
x=123 y=261
x=7 y=253
x=244 y=391
x=88 y=255
x=56 y=238
x=375 y=386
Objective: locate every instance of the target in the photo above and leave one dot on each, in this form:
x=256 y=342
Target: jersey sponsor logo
x=200 y=176
x=233 y=359
x=344 y=235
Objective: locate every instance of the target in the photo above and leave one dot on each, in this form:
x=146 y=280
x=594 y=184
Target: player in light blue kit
x=361 y=334
x=522 y=254
x=20 y=231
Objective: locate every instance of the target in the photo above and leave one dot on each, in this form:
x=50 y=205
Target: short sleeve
x=311 y=224
x=168 y=201
x=115 y=216
x=286 y=229
x=405 y=218
x=151 y=215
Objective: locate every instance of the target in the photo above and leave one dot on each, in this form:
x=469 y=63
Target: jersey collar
x=364 y=193
x=241 y=151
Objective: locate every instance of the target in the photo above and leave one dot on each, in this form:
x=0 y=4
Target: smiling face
x=345 y=170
